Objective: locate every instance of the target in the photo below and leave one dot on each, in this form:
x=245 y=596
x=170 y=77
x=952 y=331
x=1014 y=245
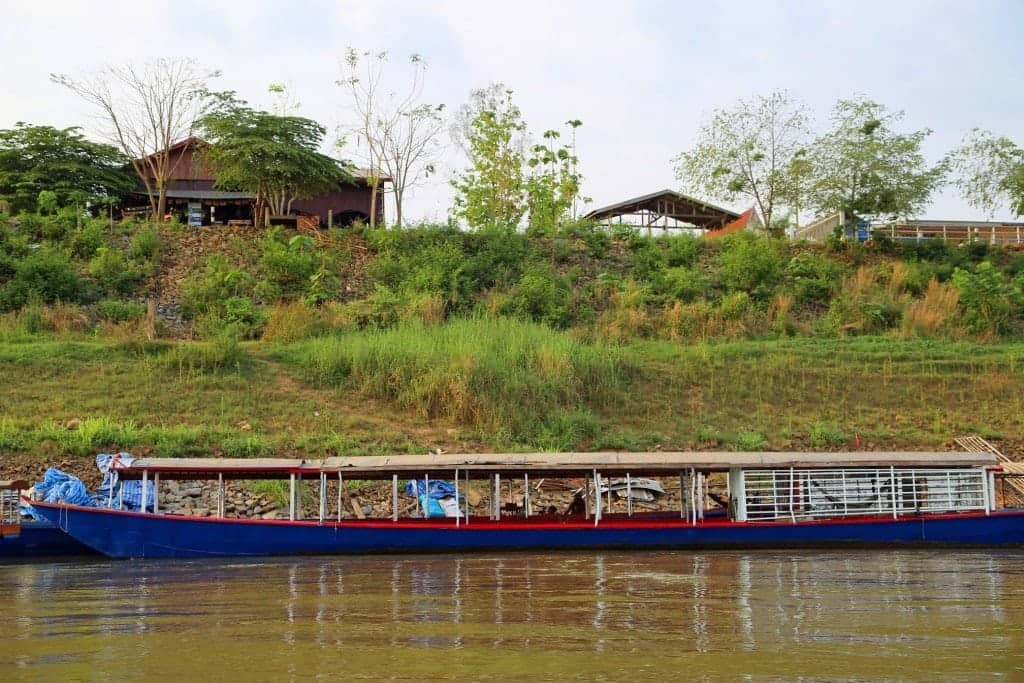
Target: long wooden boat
x=774 y=500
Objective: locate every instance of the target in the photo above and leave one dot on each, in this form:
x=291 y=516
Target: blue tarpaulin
x=429 y=496
x=60 y=487
x=127 y=494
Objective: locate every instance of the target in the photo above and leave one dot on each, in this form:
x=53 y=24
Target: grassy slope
x=776 y=394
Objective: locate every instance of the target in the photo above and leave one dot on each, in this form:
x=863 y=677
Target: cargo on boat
x=771 y=500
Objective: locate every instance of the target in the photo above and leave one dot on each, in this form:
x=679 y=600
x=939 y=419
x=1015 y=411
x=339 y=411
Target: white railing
x=800 y=494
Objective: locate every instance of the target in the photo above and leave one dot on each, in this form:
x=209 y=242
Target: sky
x=641 y=75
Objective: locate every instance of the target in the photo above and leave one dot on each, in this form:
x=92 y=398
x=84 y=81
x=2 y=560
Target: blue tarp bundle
x=438 y=488
x=429 y=496
x=61 y=487
x=128 y=494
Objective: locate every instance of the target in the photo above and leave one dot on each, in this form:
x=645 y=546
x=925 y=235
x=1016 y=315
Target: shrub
x=114 y=273
x=682 y=251
x=146 y=245
x=290 y=322
x=986 y=298
x=116 y=311
x=685 y=283
x=223 y=353
x=204 y=291
x=750 y=441
x=87 y=240
x=827 y=434
x=542 y=296
x=287 y=265
x=46 y=275
x=247 y=446
x=812 y=277
x=750 y=263
x=176 y=442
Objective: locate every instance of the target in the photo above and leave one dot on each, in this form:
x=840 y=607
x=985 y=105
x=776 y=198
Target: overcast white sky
x=641 y=75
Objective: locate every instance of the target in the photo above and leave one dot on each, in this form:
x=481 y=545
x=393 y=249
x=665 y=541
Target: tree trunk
x=373 y=200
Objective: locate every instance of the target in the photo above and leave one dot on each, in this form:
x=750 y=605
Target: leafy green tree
x=491 y=191
x=553 y=186
x=44 y=163
x=745 y=151
x=274 y=157
x=990 y=172
x=864 y=166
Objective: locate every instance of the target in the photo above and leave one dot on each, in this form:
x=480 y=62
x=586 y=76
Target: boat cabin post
x=156 y=493
x=10 y=514
x=145 y=480
x=737 y=494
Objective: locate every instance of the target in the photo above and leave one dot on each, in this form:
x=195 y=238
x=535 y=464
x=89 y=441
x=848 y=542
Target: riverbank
x=67 y=399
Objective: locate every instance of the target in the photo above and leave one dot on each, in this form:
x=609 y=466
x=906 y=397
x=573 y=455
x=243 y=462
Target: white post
x=323 y=497
x=426 y=496
x=497 y=497
x=457 y=514
x=892 y=485
x=298 y=495
x=120 y=494
x=467 y=497
x=291 y=497
x=629 y=495
x=682 y=496
x=738 y=495
x=156 y=493
x=341 y=487
x=394 y=497
x=526 y=493
x=145 y=480
x=220 y=495
x=597 y=497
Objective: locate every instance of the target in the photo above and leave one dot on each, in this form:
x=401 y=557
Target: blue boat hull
x=41 y=539
x=134 y=535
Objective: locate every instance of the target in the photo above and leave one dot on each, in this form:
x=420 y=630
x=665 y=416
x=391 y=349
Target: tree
x=41 y=159
x=496 y=97
x=745 y=151
x=399 y=132
x=990 y=172
x=796 y=185
x=274 y=157
x=863 y=166
x=553 y=185
x=491 y=191
x=146 y=110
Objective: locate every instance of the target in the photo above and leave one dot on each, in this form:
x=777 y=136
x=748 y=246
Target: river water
x=643 y=616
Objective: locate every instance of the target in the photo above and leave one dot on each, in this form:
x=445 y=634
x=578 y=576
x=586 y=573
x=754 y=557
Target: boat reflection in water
x=556 y=616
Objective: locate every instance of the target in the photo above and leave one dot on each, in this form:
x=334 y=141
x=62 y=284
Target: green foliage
x=749 y=441
x=685 y=284
x=490 y=193
x=87 y=240
x=990 y=172
x=682 y=250
x=274 y=157
x=553 y=186
x=746 y=150
x=542 y=296
x=287 y=264
x=113 y=272
x=986 y=298
x=822 y=434
x=244 y=446
x=500 y=373
x=204 y=291
x=146 y=245
x=863 y=166
x=120 y=311
x=812 y=277
x=751 y=263
x=44 y=167
x=46 y=275
x=222 y=354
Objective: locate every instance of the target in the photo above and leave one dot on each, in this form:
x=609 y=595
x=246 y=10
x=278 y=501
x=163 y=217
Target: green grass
x=478 y=384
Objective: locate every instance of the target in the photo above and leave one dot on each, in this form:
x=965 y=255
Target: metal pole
x=629 y=495
x=682 y=496
x=394 y=497
x=526 y=493
x=467 y=498
x=220 y=494
x=323 y=497
x=597 y=497
x=341 y=487
x=892 y=485
x=145 y=480
x=120 y=495
x=291 y=496
x=497 y=497
x=156 y=493
x=426 y=496
x=457 y=515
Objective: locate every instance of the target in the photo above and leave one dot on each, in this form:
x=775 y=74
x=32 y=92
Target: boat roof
x=537 y=464
x=13 y=484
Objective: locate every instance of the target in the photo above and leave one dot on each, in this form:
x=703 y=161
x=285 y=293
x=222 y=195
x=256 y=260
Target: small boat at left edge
x=27 y=538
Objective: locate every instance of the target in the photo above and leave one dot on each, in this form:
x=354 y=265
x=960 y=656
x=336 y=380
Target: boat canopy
x=537 y=464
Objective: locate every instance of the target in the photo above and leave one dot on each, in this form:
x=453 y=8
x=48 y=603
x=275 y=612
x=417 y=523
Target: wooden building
x=191 y=195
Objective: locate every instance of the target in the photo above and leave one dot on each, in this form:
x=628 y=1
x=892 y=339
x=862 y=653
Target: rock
x=73 y=423
x=269 y=515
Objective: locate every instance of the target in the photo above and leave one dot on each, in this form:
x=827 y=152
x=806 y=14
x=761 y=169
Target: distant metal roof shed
x=665 y=206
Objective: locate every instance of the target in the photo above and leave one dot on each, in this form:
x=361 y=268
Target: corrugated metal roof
x=209 y=195
x=611 y=209
x=541 y=464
